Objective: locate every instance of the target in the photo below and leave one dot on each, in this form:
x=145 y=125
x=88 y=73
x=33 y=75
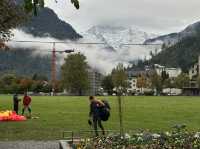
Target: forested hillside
x=23 y=62
x=184 y=53
x=47 y=24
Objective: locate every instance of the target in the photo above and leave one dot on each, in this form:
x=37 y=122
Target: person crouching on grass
x=26 y=104
x=94 y=114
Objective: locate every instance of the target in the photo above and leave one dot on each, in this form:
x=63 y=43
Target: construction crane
x=53 y=66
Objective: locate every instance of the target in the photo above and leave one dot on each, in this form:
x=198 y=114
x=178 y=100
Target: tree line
x=75 y=80
x=153 y=81
x=11 y=83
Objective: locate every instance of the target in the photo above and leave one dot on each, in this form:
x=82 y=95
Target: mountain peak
x=173 y=38
x=47 y=24
x=107 y=27
x=114 y=36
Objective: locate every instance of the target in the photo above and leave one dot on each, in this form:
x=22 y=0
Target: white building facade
x=195 y=70
x=132 y=85
x=172 y=72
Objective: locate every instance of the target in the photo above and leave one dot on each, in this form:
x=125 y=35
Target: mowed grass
x=60 y=113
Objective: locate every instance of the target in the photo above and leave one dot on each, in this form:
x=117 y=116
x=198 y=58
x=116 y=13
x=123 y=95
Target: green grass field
x=57 y=114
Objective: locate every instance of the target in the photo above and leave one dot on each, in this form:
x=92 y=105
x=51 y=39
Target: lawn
x=58 y=114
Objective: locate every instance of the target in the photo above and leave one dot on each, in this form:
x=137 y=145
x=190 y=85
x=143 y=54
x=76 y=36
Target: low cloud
x=97 y=56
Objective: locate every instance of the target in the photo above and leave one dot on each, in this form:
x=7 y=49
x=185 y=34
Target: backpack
x=105 y=111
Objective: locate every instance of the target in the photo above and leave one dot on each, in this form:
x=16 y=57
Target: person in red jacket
x=26 y=103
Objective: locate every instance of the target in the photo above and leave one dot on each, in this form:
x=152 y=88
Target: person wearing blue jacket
x=94 y=114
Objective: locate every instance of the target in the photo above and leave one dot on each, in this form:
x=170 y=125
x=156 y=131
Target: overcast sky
x=163 y=16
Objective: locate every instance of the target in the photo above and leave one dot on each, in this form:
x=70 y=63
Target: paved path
x=29 y=145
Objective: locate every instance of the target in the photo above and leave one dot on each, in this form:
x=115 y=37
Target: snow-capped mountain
x=105 y=57
x=115 y=36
